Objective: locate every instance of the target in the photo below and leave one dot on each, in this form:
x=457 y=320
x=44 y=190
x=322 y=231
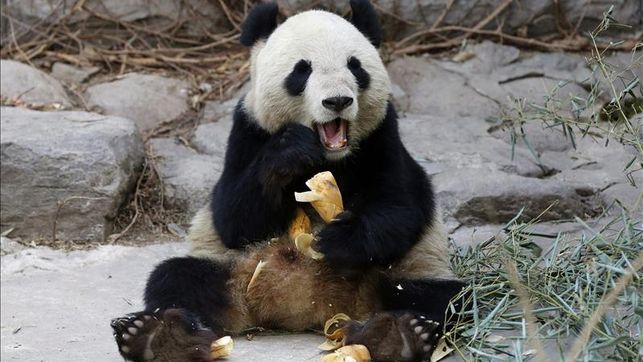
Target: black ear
x=365 y=20
x=259 y=23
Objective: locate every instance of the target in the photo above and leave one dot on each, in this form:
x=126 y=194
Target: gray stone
x=20 y=81
x=148 y=100
x=199 y=17
x=10 y=246
x=212 y=138
x=536 y=17
x=487 y=57
x=449 y=142
x=78 y=165
x=593 y=160
x=592 y=168
x=70 y=74
x=537 y=90
x=589 y=14
x=538 y=135
x=544 y=233
x=631 y=197
x=593 y=179
x=213 y=111
x=469 y=236
x=637 y=122
x=477 y=197
x=504 y=74
x=624 y=68
x=400 y=98
x=189 y=173
x=630 y=64
x=433 y=90
x=558 y=66
x=187 y=176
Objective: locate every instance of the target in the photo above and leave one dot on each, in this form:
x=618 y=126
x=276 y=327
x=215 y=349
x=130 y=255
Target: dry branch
x=85 y=36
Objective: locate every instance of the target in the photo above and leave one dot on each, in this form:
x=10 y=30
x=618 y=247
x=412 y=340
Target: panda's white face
x=318 y=70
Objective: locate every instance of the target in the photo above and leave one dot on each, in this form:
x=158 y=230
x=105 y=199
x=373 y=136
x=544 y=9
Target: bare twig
x=467 y=31
x=444 y=13
x=229 y=15
x=570 y=45
x=135 y=202
x=18 y=48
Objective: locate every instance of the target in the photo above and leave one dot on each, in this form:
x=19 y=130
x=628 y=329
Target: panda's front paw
x=340 y=243
x=293 y=151
x=344 y=216
x=298 y=144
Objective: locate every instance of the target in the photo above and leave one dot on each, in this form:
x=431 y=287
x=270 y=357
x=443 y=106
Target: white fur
x=429 y=258
x=327 y=41
x=205 y=241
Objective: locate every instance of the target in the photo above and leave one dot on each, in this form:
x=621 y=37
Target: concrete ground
x=57 y=306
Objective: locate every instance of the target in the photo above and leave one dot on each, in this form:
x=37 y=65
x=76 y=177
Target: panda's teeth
x=333 y=134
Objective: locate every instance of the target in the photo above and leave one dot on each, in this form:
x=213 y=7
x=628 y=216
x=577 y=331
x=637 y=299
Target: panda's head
x=320 y=70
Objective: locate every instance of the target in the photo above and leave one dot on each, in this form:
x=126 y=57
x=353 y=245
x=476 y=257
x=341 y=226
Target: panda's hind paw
x=167 y=335
x=425 y=333
x=396 y=336
x=134 y=333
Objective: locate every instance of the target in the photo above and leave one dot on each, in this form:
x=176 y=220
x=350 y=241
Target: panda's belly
x=295 y=292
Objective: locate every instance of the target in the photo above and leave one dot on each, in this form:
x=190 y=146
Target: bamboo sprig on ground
x=566 y=286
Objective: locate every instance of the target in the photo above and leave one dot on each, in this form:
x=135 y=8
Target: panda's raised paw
x=297 y=144
x=134 y=333
x=396 y=336
x=292 y=152
x=425 y=332
x=163 y=336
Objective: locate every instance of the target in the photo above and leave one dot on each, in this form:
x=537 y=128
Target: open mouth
x=334 y=134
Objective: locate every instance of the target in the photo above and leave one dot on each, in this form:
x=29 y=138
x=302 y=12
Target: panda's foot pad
x=167 y=335
x=396 y=336
x=134 y=334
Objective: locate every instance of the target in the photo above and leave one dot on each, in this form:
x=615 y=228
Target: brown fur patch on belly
x=293 y=291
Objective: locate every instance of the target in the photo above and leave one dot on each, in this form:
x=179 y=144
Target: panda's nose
x=337 y=104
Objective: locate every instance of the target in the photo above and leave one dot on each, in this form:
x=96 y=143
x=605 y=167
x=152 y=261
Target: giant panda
x=319 y=100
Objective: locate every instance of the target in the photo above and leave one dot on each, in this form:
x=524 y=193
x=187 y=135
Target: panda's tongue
x=333 y=134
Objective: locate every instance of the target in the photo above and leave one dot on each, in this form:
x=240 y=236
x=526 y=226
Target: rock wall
x=199 y=17
x=65 y=172
x=78 y=168
x=400 y=17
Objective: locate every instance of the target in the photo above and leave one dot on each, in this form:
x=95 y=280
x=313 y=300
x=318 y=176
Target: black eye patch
x=361 y=76
x=296 y=80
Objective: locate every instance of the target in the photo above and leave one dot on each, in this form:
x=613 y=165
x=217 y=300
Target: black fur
x=181 y=283
x=361 y=75
x=365 y=19
x=259 y=24
x=389 y=197
x=430 y=296
x=253 y=199
x=296 y=81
